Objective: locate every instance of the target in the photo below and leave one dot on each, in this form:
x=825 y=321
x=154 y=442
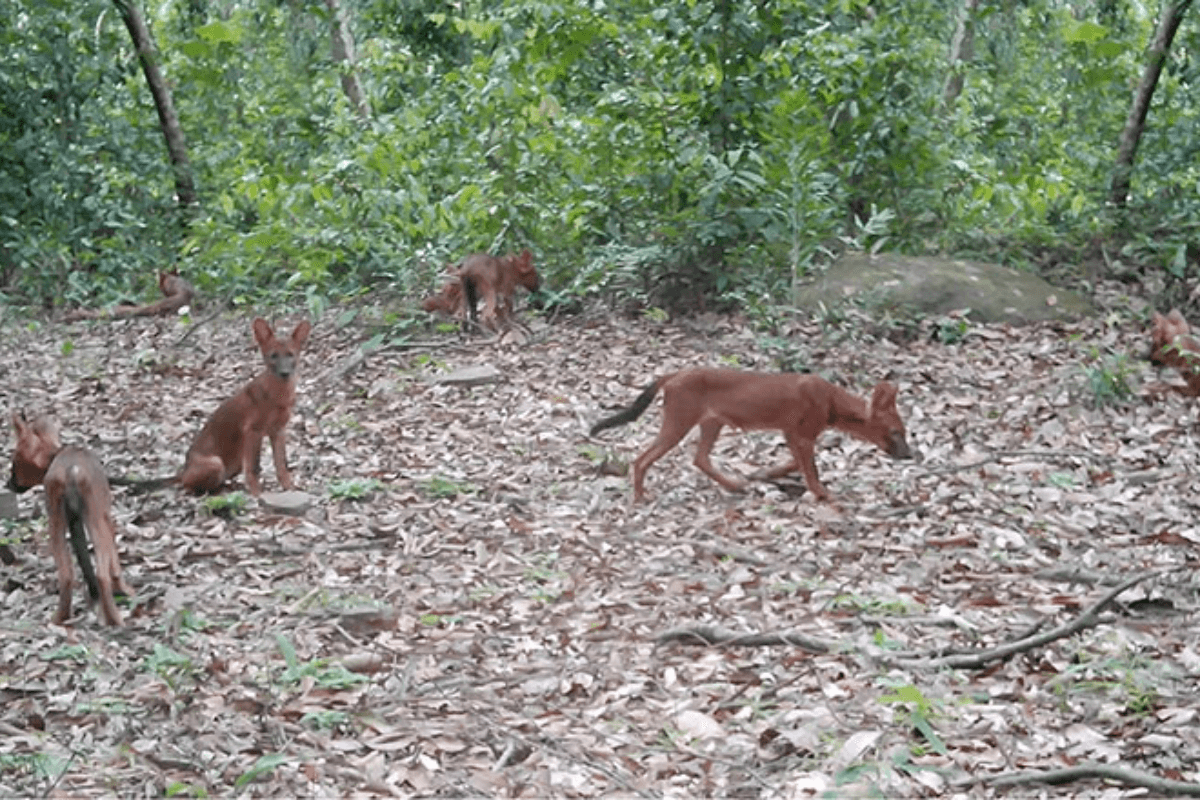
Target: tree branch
x=1083 y=772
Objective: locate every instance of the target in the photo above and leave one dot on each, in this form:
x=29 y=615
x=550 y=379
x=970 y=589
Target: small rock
x=293 y=502
x=475 y=375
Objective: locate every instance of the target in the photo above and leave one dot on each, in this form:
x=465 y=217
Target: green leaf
x=1084 y=31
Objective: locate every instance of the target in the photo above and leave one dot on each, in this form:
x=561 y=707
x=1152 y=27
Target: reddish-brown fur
x=494 y=281
x=800 y=406
x=231 y=441
x=77 y=498
x=1172 y=345
x=450 y=299
x=177 y=293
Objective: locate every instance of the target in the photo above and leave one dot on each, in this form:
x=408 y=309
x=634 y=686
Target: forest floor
x=488 y=619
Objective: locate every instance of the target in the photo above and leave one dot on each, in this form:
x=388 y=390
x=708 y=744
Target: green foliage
x=953 y=329
x=917 y=711
x=42 y=765
x=678 y=156
x=169 y=665
x=439 y=487
x=229 y=505
x=264 y=766
x=354 y=489
x=323 y=673
x=1108 y=380
x=73 y=652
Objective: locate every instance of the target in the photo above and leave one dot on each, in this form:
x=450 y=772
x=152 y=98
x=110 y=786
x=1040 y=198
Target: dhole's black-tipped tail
x=79 y=539
x=627 y=415
x=143 y=485
x=471 y=293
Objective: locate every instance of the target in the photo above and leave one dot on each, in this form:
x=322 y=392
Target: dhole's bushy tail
x=471 y=293
x=627 y=415
x=75 y=510
x=143 y=485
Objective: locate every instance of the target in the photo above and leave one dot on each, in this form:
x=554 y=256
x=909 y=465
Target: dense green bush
x=702 y=153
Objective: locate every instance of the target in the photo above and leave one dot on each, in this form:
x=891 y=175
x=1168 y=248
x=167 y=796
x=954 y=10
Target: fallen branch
x=338 y=372
x=1087 y=619
x=178 y=293
x=711 y=635
x=1083 y=772
x=1045 y=455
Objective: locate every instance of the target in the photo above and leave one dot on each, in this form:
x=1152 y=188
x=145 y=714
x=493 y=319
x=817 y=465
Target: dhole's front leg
x=251 y=450
x=56 y=511
x=279 y=454
x=802 y=456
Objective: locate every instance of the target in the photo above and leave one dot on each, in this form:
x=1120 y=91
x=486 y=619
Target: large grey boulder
x=932 y=285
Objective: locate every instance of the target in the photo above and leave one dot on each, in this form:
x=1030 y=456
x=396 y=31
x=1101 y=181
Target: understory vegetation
x=698 y=155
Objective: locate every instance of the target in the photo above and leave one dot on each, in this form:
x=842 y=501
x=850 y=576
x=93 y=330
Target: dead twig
x=1082 y=772
x=1087 y=619
x=1045 y=455
x=712 y=635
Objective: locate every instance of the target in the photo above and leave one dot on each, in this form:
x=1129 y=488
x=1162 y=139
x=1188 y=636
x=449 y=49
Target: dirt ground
x=471 y=607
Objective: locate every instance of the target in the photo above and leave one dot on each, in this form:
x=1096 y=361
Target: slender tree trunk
x=1172 y=16
x=185 y=187
x=344 y=58
x=961 y=51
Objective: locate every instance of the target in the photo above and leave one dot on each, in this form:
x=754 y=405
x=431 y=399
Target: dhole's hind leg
x=709 y=431
x=56 y=511
x=202 y=474
x=669 y=435
x=108 y=567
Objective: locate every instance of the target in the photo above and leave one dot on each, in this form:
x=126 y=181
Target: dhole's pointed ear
x=884 y=396
x=1175 y=318
x=19 y=423
x=300 y=334
x=262 y=332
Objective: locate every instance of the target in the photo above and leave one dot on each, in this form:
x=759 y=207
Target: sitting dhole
x=1172 y=345
x=801 y=406
x=231 y=441
x=78 y=501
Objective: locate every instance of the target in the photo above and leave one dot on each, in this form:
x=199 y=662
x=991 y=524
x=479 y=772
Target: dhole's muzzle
x=898 y=446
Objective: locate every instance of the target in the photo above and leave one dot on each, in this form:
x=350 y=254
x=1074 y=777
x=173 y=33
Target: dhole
x=495 y=280
x=177 y=293
x=78 y=500
x=801 y=406
x=231 y=441
x=1172 y=345
x=450 y=299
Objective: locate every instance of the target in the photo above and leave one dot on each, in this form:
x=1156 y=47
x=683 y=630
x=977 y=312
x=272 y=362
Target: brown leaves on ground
x=472 y=605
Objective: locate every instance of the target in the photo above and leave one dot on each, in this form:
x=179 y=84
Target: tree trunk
x=961 y=51
x=1172 y=15
x=344 y=58
x=185 y=187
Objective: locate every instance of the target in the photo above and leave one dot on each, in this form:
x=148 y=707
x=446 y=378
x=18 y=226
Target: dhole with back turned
x=1172 y=345
x=78 y=505
x=800 y=406
x=231 y=441
x=495 y=281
